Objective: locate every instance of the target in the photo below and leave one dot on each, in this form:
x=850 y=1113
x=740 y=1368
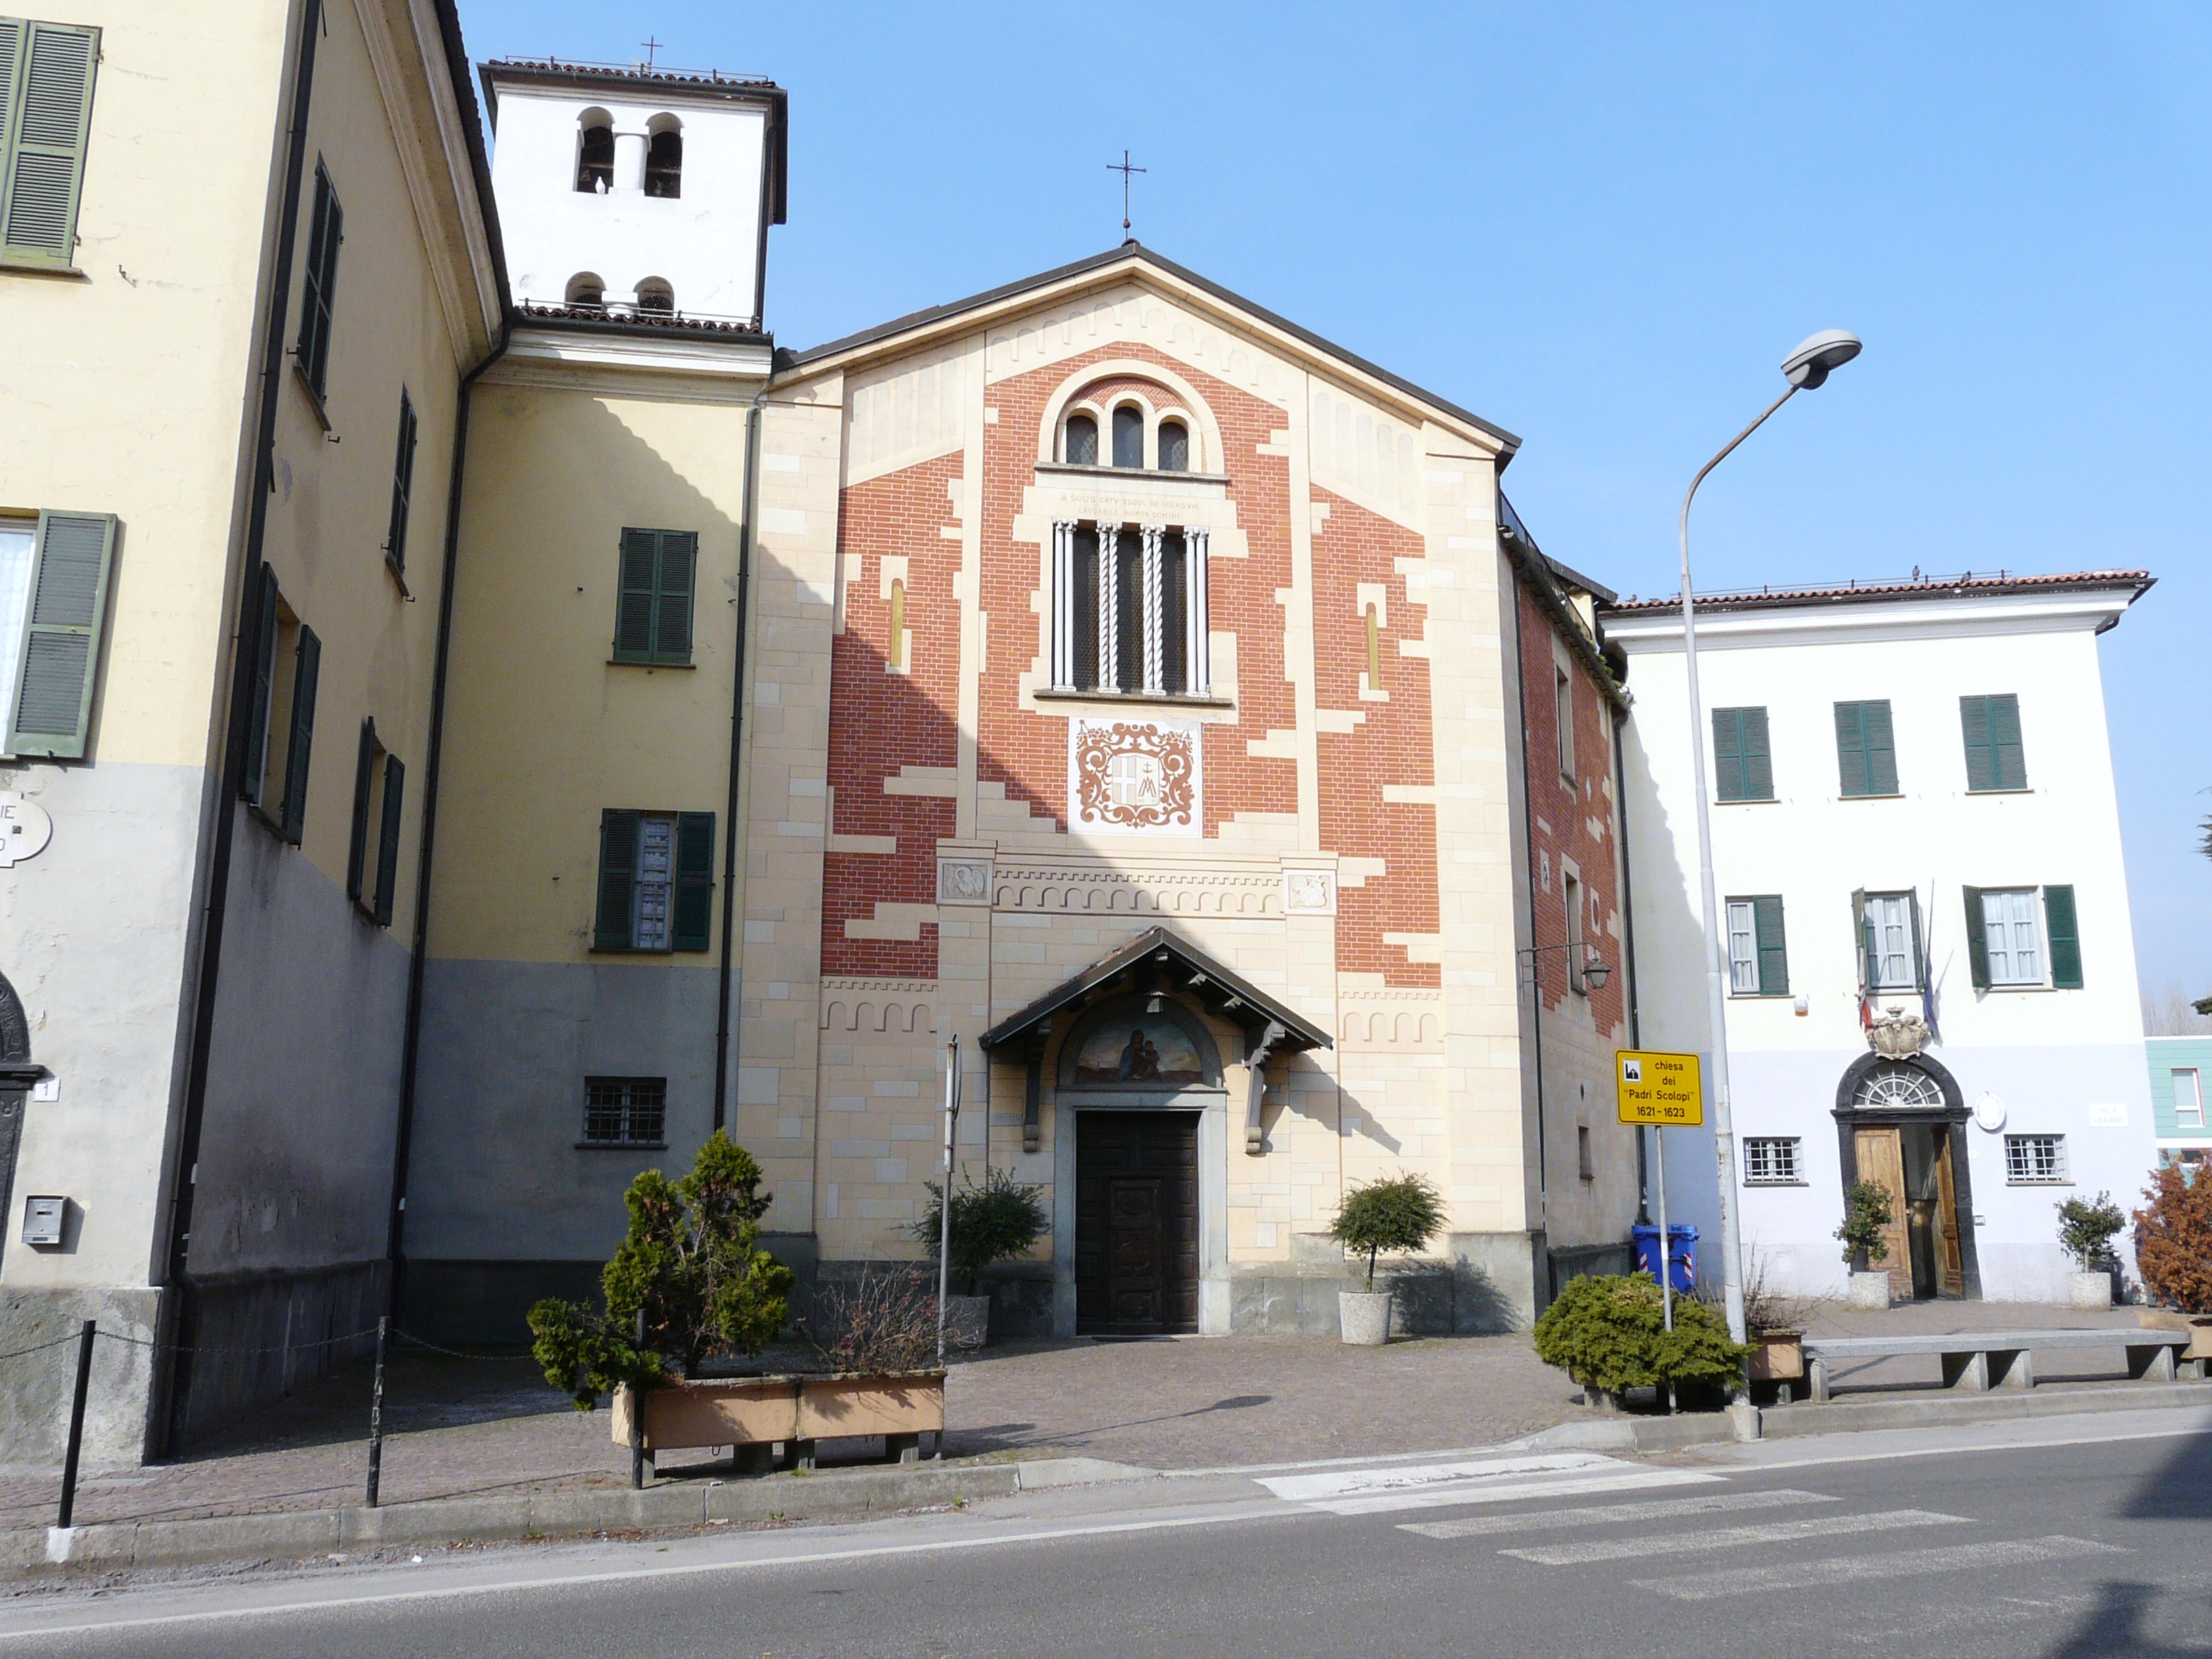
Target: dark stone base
x=255 y=1337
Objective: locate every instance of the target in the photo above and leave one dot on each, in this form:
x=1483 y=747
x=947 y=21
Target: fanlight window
x=1897 y=1086
x=595 y=161
x=664 y=164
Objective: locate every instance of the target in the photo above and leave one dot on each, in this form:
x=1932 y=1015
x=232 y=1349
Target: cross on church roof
x=1123 y=167
x=650 y=47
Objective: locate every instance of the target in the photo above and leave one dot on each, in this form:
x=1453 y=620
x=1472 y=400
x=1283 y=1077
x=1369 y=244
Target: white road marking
x=1725 y=1538
x=1606 y=1515
x=1489 y=1480
x=1895 y=1564
x=1977 y=1614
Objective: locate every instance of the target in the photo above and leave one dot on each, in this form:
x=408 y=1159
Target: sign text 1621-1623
x=1660 y=1088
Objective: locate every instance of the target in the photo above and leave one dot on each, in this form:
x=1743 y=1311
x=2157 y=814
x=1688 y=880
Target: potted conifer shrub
x=1399 y=1214
x=2086 y=1227
x=993 y=1222
x=1866 y=1213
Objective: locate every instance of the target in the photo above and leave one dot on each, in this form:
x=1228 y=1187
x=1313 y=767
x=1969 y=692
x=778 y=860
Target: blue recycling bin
x=1683 y=1255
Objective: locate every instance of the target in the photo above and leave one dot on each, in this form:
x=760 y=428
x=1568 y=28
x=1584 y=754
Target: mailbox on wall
x=43 y=1218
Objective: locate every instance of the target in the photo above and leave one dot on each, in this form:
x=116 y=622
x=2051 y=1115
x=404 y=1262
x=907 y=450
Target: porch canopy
x=1156 y=961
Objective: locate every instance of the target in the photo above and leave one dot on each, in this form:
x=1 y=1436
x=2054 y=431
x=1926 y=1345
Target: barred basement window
x=625 y=1111
x=2035 y=1161
x=1772 y=1161
x=1129 y=609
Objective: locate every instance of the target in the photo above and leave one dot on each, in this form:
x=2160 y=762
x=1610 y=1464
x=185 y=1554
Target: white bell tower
x=640 y=191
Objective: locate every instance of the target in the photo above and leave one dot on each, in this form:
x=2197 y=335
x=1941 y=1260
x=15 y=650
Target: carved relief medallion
x=964 y=881
x=1135 y=776
x=1308 y=892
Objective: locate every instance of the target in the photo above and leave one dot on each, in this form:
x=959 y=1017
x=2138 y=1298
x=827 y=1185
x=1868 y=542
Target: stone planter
x=2089 y=1289
x=1364 y=1317
x=760 y=1411
x=967 y=1321
x=1868 y=1290
x=1777 y=1356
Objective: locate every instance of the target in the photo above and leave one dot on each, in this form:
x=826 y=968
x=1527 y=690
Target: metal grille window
x=1772 y=1161
x=1129 y=609
x=625 y=1111
x=2035 y=1160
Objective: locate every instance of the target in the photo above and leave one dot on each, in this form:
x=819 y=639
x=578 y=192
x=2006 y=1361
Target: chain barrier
x=281 y=1347
x=40 y=1347
x=413 y=1340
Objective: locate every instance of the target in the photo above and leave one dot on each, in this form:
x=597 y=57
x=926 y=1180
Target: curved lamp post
x=1806 y=368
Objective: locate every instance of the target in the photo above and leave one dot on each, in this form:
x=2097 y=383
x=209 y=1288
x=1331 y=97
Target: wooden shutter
x=61 y=619
x=387 y=841
x=403 y=483
x=1758 y=759
x=1919 y=962
x=1773 y=952
x=46 y=140
x=672 y=586
x=1880 y=751
x=691 y=910
x=327 y=231
x=261 y=633
x=1851 y=748
x=634 y=629
x=1728 y=754
x=1974 y=724
x=1978 y=938
x=2009 y=759
x=618 y=878
x=1863 y=933
x=307 y=669
x=364 y=786
x=2064 y=935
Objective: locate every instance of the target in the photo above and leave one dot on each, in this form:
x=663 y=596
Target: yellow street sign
x=1655 y=1088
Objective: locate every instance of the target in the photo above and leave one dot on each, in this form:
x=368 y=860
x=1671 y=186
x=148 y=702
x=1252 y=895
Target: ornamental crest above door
x=1139 y=776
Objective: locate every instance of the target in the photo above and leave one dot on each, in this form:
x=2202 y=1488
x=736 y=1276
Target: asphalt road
x=1918 y=1547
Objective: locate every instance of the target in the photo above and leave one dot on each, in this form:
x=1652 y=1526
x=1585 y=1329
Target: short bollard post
x=376 y=1416
x=77 y=1425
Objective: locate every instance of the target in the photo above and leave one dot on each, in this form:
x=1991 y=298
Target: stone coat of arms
x=1135 y=774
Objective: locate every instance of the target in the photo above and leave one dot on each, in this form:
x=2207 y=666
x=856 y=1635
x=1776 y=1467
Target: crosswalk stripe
x=1892 y=1564
x=1475 y=1480
x=1721 y=1538
x=1606 y=1515
x=1478 y=1491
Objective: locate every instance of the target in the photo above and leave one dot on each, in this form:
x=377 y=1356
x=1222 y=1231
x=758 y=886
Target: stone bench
x=1979 y=1360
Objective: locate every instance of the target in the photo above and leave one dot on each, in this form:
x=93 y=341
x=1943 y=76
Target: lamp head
x=1808 y=366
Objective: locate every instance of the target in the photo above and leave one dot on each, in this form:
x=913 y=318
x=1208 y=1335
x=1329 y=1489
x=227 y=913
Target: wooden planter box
x=760 y=1411
x=2199 y=1326
x=1777 y=1357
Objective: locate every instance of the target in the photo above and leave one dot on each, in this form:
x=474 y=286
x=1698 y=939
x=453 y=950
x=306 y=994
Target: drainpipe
x=432 y=766
x=174 y=1378
x=1536 y=970
x=1628 y=949
x=728 y=982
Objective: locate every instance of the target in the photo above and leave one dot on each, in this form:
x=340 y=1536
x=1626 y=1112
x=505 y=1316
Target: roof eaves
x=1962 y=587
x=472 y=124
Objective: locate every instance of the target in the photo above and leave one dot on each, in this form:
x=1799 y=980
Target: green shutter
x=308 y=670
x=49 y=121
x=2065 y=936
x=387 y=843
x=618 y=878
x=671 y=618
x=403 y=483
x=1861 y=931
x=641 y=559
x=319 y=290
x=2009 y=759
x=1977 y=939
x=1981 y=761
x=1850 y=747
x=364 y=785
x=1919 y=956
x=691 y=909
x=261 y=633
x=1728 y=754
x=1773 y=952
x=62 y=618
x=1758 y=758
x=1881 y=752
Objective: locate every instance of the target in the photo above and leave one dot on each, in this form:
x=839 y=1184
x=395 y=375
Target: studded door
x=1136 y=1223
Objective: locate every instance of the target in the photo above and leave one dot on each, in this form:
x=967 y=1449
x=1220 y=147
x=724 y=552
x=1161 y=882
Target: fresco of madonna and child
x=1144 y=1051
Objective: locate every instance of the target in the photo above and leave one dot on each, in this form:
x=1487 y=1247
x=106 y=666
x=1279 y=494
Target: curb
x=121 y=1544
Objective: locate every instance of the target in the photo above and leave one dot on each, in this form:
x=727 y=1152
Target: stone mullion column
x=1063 y=603
x=1199 y=680
x=1154 y=534
x=1109 y=592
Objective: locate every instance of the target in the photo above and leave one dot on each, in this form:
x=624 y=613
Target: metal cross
x=650 y=47
x=1123 y=167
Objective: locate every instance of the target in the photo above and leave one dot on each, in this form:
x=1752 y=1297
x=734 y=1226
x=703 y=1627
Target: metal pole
x=637 y=1416
x=376 y=1416
x=944 y=1201
x=1715 y=949
x=77 y=1425
x=1666 y=1239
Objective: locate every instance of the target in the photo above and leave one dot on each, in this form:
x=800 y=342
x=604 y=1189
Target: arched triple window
x=656 y=298
x=1133 y=440
x=664 y=160
x=595 y=154
x=585 y=288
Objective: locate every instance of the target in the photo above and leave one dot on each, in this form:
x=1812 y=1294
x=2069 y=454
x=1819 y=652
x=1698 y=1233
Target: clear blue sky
x=1601 y=226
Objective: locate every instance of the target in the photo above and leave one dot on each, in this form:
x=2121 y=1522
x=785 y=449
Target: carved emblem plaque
x=1138 y=776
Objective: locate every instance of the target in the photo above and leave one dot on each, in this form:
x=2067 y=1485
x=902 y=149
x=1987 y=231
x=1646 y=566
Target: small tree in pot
x=1866 y=1214
x=2174 y=1240
x=1399 y=1214
x=993 y=1222
x=2086 y=1230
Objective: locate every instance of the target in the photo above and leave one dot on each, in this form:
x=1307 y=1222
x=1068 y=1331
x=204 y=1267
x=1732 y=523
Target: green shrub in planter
x=995 y=1222
x=1609 y=1332
x=2086 y=1228
x=1399 y=1214
x=1866 y=1212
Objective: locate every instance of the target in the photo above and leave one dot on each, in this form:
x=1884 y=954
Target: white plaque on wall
x=1308 y=892
x=964 y=881
x=2108 y=1116
x=1140 y=777
x=25 y=828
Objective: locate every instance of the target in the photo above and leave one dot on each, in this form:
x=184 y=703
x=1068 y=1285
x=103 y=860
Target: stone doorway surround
x=1852 y=1114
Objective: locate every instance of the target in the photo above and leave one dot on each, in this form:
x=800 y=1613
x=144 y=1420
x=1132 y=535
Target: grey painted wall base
x=1486 y=1285
x=257 y=1337
x=35 y=1388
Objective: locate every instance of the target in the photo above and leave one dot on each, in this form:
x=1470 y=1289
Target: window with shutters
x=2023 y=938
x=54 y=571
x=1744 y=768
x=1889 y=942
x=1772 y=1161
x=1129 y=609
x=402 y=485
x=286 y=664
x=653 y=611
x=318 y=293
x=1866 y=753
x=379 y=805
x=2036 y=1161
x=47 y=72
x=1995 y=757
x=1759 y=960
x=2011 y=931
x=625 y=1111
x=656 y=889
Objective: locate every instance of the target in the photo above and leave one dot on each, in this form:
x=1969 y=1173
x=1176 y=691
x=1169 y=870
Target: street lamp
x=1806 y=368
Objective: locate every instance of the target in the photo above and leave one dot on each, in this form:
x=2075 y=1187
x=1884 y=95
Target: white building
x=1913 y=811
